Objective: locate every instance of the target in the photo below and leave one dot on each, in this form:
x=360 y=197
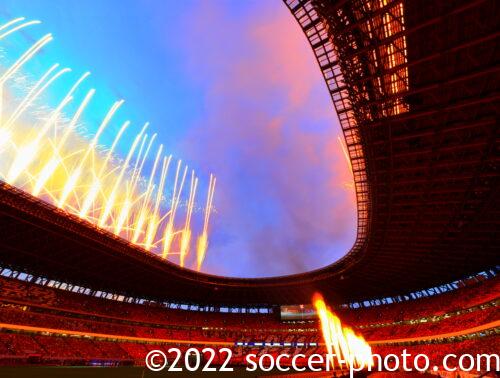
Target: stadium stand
x=109 y=332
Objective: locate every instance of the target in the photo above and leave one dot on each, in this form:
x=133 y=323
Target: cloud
x=269 y=132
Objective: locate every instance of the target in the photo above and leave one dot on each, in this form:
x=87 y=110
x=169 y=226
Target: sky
x=232 y=88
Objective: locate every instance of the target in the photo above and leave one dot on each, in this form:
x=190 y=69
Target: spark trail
x=46 y=156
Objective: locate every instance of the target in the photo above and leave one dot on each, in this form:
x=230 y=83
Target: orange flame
x=340 y=341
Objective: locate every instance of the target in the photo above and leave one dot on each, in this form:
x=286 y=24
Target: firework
x=49 y=158
x=202 y=244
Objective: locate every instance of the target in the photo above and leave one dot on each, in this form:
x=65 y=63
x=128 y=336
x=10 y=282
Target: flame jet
x=349 y=348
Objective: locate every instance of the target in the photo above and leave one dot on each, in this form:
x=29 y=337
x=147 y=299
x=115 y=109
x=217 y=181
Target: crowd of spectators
x=30 y=305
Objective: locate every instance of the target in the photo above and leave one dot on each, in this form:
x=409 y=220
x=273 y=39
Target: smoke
x=268 y=130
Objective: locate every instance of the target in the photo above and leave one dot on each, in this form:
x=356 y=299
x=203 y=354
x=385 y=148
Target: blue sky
x=232 y=88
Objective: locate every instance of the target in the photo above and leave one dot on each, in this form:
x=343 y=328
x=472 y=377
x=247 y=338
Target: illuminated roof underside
x=415 y=87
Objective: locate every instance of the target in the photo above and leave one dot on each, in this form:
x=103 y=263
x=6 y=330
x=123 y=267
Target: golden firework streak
x=186 y=232
x=202 y=244
x=45 y=154
x=169 y=229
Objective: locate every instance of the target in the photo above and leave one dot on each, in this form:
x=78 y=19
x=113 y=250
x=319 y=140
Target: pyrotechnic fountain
x=50 y=159
x=351 y=350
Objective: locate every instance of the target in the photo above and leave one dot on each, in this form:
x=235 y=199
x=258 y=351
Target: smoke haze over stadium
x=232 y=88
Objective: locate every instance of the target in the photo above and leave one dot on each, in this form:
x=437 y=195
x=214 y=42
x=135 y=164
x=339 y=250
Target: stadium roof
x=415 y=85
